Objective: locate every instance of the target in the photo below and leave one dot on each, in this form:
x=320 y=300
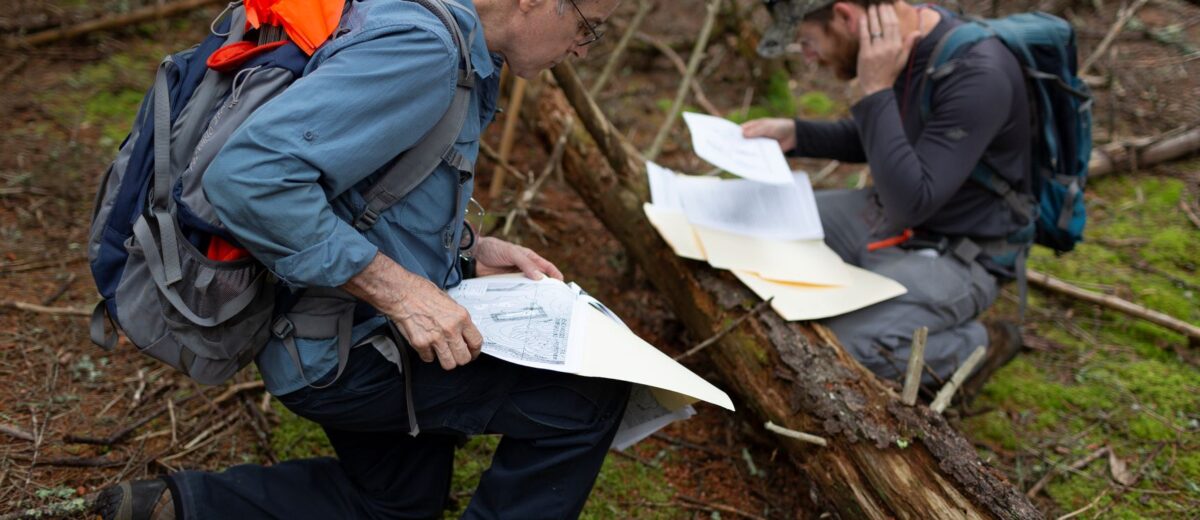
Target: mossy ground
x=1101 y=378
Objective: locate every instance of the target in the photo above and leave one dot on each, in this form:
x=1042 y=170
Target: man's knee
x=574 y=403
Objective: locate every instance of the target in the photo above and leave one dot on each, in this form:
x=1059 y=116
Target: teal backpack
x=1062 y=116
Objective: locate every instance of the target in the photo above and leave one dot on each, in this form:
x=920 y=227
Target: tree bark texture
x=884 y=459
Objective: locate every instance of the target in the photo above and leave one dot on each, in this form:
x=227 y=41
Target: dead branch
x=673 y=57
x=41 y=309
x=1145 y=152
x=72 y=462
x=713 y=8
x=947 y=392
x=12 y=68
x=1122 y=19
x=1191 y=213
x=21 y=267
x=916 y=360
x=511 y=116
x=1053 y=284
x=687 y=501
x=115 y=21
x=15 y=432
x=1056 y=470
x=614 y=59
x=793 y=434
x=526 y=198
x=733 y=325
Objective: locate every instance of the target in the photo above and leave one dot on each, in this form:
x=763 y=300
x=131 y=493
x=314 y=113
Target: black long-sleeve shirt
x=921 y=169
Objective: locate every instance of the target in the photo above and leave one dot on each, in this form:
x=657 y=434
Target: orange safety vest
x=308 y=23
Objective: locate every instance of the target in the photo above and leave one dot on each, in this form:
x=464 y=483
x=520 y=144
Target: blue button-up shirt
x=289 y=180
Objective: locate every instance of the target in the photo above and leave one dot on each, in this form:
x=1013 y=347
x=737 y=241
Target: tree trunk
x=884 y=459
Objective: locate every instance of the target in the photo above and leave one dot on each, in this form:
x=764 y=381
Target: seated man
x=913 y=225
x=368 y=95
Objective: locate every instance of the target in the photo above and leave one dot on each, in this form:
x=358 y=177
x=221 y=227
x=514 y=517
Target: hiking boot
x=136 y=500
x=1004 y=342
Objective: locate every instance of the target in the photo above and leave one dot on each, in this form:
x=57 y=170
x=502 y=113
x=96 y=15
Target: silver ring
x=876 y=36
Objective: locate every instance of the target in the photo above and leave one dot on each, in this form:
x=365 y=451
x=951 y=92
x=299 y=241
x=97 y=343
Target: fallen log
x=883 y=459
x=1144 y=153
x=114 y=21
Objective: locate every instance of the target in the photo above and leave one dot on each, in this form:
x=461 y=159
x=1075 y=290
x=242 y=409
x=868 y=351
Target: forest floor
x=1101 y=411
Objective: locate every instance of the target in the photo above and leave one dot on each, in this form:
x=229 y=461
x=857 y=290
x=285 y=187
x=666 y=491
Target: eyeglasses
x=596 y=34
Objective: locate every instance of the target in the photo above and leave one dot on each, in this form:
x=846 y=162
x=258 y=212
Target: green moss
x=1111 y=379
x=993 y=428
x=297 y=437
x=779 y=97
x=816 y=104
x=621 y=490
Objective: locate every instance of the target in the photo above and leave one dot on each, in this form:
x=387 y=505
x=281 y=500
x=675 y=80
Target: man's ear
x=847 y=15
x=526 y=6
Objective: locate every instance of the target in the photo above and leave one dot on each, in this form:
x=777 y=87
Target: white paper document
x=796 y=302
x=767 y=211
x=551 y=325
x=524 y=323
x=720 y=142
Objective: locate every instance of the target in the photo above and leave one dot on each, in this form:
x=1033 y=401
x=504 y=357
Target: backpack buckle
x=282 y=327
x=366 y=220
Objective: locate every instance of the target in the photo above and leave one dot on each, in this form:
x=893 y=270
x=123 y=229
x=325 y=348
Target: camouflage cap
x=786 y=14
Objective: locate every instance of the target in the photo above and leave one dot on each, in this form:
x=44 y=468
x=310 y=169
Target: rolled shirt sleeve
x=363 y=103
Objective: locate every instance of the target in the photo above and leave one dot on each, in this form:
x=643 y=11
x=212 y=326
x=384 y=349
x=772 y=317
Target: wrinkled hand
x=883 y=51
x=436 y=325
x=779 y=129
x=495 y=256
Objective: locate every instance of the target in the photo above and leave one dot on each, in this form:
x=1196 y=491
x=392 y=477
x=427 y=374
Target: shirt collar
x=481 y=59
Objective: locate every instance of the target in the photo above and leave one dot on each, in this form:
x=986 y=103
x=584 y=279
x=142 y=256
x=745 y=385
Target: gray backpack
x=153 y=230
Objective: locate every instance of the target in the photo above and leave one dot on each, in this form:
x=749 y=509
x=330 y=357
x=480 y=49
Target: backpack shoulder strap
x=941 y=60
x=417 y=163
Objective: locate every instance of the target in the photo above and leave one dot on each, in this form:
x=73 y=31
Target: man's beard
x=844 y=58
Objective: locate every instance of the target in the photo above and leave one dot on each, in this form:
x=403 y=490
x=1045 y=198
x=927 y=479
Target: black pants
x=556 y=431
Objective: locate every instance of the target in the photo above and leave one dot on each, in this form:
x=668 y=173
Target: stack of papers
x=556 y=326
x=763 y=227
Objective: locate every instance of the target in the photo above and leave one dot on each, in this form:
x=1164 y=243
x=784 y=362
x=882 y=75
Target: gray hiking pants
x=945 y=293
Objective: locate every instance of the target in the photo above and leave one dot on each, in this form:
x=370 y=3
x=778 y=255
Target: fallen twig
x=1187 y=210
x=793 y=434
x=1075 y=466
x=728 y=328
x=711 y=507
x=681 y=67
x=1122 y=19
x=713 y=8
x=1085 y=509
x=42 y=309
x=150 y=12
x=1051 y=283
x=16 y=432
x=521 y=208
x=511 y=117
x=11 y=69
x=22 y=267
x=947 y=392
x=614 y=59
x=916 y=360
x=72 y=462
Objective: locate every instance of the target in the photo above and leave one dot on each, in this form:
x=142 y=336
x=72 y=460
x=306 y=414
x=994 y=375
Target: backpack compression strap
x=416 y=164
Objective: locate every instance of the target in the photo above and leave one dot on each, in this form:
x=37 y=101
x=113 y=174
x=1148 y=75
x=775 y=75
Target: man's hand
x=883 y=51
x=434 y=324
x=779 y=129
x=495 y=256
